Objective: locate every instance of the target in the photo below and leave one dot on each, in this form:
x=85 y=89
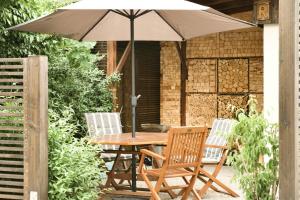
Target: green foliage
x=74 y=169
x=17 y=44
x=75 y=81
x=76 y=85
x=74 y=78
x=256 y=159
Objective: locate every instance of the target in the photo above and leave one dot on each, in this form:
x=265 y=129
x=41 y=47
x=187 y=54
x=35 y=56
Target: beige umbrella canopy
x=154 y=20
x=124 y=20
x=131 y=20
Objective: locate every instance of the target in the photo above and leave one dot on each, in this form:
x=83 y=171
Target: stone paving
x=225 y=176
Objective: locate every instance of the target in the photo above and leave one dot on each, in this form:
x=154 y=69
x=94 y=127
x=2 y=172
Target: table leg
x=133 y=188
x=111 y=173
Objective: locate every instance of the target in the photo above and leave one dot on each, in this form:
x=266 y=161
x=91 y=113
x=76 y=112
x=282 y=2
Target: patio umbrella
x=133 y=20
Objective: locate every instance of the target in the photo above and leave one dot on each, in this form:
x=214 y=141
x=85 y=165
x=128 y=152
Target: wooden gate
x=23 y=128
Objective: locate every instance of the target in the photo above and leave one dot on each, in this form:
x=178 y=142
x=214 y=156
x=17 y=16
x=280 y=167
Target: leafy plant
x=74 y=167
x=76 y=85
x=75 y=81
x=74 y=78
x=256 y=158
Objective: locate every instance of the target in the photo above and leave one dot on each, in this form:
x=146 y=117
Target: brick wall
x=224 y=68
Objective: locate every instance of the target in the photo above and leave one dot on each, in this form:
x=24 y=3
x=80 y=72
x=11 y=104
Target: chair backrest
x=185 y=146
x=217 y=136
x=104 y=124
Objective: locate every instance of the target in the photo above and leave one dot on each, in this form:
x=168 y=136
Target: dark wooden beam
x=227 y=6
x=181 y=49
x=214 y=3
x=124 y=58
x=234 y=10
x=234 y=6
x=111 y=57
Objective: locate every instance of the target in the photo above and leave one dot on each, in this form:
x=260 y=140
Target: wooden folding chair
x=184 y=150
x=100 y=124
x=215 y=153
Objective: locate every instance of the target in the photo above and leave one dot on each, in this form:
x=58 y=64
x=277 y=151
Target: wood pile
x=203 y=47
x=223 y=68
x=260 y=101
x=241 y=43
x=201 y=109
x=256 y=75
x=225 y=101
x=202 y=75
x=233 y=75
x=170 y=84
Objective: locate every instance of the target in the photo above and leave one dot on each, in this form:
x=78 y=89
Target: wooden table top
x=125 y=139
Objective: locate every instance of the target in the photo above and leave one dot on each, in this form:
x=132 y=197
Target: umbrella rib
x=125 y=11
x=90 y=29
x=142 y=13
x=137 y=12
x=120 y=13
x=169 y=25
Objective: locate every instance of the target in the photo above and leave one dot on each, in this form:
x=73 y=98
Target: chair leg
x=158 y=185
x=190 y=187
x=205 y=182
x=181 y=192
x=154 y=194
x=165 y=184
x=212 y=178
x=170 y=192
x=197 y=196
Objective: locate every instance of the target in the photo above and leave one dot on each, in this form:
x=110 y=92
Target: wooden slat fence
x=21 y=134
x=12 y=128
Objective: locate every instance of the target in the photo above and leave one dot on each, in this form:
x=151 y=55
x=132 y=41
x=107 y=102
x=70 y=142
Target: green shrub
x=74 y=78
x=74 y=167
x=256 y=160
x=75 y=81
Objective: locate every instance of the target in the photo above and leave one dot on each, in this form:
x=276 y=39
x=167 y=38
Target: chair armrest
x=215 y=146
x=152 y=154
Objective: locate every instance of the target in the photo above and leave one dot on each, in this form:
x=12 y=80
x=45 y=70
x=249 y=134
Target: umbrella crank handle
x=134 y=100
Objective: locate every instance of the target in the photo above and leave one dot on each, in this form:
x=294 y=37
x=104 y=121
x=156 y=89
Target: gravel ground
x=225 y=176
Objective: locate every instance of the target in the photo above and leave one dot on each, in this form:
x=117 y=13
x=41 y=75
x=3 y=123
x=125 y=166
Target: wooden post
x=181 y=49
x=289 y=100
x=36 y=128
x=111 y=57
x=124 y=58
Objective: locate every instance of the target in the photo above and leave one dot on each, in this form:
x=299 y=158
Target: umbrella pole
x=133 y=97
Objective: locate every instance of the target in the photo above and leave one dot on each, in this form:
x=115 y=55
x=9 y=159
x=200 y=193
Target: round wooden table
x=126 y=139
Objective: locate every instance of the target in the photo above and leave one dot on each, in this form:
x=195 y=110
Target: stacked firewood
x=201 y=109
x=256 y=75
x=233 y=75
x=202 y=75
x=170 y=84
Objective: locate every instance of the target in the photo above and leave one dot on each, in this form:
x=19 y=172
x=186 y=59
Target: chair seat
x=210 y=160
x=170 y=173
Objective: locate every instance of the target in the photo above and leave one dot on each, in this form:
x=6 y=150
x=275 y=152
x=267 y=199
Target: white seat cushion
x=210 y=161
